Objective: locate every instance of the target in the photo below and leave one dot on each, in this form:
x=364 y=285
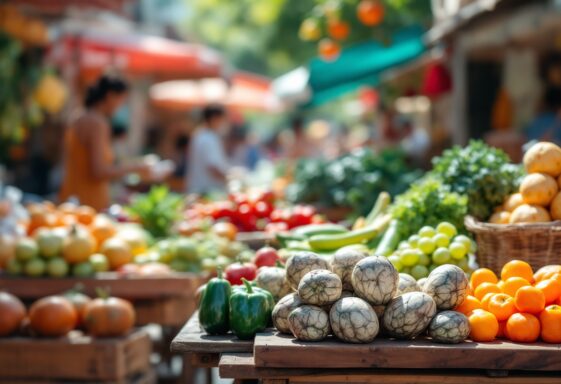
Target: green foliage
x=262 y=36
x=428 y=202
x=482 y=173
x=353 y=180
x=157 y=210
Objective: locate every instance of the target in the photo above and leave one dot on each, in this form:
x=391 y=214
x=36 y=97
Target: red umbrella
x=138 y=54
x=242 y=91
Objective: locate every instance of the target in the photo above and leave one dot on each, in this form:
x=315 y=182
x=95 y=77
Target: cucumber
x=319 y=229
x=286 y=237
x=381 y=205
x=334 y=242
x=390 y=240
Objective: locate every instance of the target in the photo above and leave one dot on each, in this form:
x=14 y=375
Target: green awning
x=361 y=65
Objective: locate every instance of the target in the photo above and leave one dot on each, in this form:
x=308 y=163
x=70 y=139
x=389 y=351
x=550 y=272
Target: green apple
x=57 y=267
x=26 y=249
x=49 y=243
x=186 y=249
x=35 y=267
x=83 y=269
x=99 y=262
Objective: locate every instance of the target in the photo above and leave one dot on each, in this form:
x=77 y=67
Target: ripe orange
x=482 y=275
x=556 y=276
x=547 y=272
x=485 y=288
x=529 y=300
x=501 y=284
x=484 y=326
x=517 y=268
x=486 y=299
x=85 y=215
x=550 y=321
x=513 y=284
x=551 y=289
x=469 y=304
x=502 y=306
x=523 y=328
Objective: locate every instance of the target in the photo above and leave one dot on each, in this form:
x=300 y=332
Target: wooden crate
x=273 y=350
x=241 y=366
x=76 y=357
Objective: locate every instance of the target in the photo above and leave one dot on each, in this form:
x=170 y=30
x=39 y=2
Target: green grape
x=427 y=231
x=403 y=245
x=409 y=257
x=414 y=240
x=441 y=256
x=395 y=260
x=458 y=250
x=441 y=240
x=472 y=247
x=406 y=270
x=423 y=259
x=419 y=271
x=463 y=239
x=464 y=264
x=427 y=245
x=446 y=229
x=432 y=267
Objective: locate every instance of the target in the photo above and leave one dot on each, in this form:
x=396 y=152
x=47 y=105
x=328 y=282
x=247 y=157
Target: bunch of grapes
x=431 y=247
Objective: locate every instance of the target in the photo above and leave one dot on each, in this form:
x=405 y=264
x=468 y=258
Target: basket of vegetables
x=525 y=225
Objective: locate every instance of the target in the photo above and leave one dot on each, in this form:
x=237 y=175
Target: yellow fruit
x=538 y=189
x=543 y=157
x=527 y=213
x=501 y=217
x=555 y=208
x=512 y=202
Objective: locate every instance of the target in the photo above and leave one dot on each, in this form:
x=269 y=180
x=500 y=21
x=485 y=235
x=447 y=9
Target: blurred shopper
x=547 y=124
x=89 y=161
x=300 y=146
x=244 y=150
x=207 y=162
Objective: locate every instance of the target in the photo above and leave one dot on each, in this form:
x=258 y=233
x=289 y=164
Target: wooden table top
x=274 y=350
x=192 y=338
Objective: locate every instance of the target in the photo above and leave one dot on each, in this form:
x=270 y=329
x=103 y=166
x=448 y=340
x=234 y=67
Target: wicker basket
x=537 y=244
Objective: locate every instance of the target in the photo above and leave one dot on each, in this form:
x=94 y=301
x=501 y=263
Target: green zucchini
x=363 y=235
x=390 y=240
x=380 y=207
x=319 y=229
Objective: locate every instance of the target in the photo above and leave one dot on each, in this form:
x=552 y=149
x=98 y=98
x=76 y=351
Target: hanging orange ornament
x=328 y=49
x=370 y=12
x=337 y=29
x=309 y=30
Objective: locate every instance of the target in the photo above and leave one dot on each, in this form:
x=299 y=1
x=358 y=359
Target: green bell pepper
x=249 y=311
x=214 y=308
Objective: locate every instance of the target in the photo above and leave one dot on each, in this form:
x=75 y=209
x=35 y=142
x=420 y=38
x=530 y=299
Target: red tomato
x=266 y=257
x=337 y=29
x=235 y=272
x=263 y=209
x=370 y=12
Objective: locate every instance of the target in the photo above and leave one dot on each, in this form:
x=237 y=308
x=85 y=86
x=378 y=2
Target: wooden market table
x=282 y=359
x=77 y=358
x=165 y=301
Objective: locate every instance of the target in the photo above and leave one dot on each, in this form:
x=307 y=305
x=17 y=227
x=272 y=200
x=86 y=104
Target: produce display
x=71 y=240
x=538 y=199
x=353 y=180
x=253 y=211
x=56 y=316
x=519 y=305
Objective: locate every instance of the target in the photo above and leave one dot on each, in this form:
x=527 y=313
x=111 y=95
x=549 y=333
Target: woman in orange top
x=89 y=168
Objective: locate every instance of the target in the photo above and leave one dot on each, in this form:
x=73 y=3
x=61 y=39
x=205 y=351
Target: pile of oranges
x=522 y=306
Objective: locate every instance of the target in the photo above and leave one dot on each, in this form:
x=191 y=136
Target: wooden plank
x=193 y=339
x=127 y=288
x=242 y=366
x=205 y=360
x=75 y=357
x=148 y=377
x=274 y=350
x=169 y=311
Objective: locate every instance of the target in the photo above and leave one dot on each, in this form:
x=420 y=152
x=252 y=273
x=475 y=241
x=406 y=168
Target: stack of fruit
x=538 y=199
x=56 y=316
x=431 y=247
x=522 y=306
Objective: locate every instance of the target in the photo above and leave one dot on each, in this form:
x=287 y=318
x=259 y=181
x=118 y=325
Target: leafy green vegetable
x=482 y=173
x=354 y=180
x=428 y=202
x=157 y=210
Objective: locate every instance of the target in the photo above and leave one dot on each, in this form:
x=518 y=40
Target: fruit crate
x=77 y=358
x=165 y=301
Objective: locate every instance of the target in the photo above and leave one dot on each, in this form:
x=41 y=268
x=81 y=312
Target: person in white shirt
x=207 y=162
